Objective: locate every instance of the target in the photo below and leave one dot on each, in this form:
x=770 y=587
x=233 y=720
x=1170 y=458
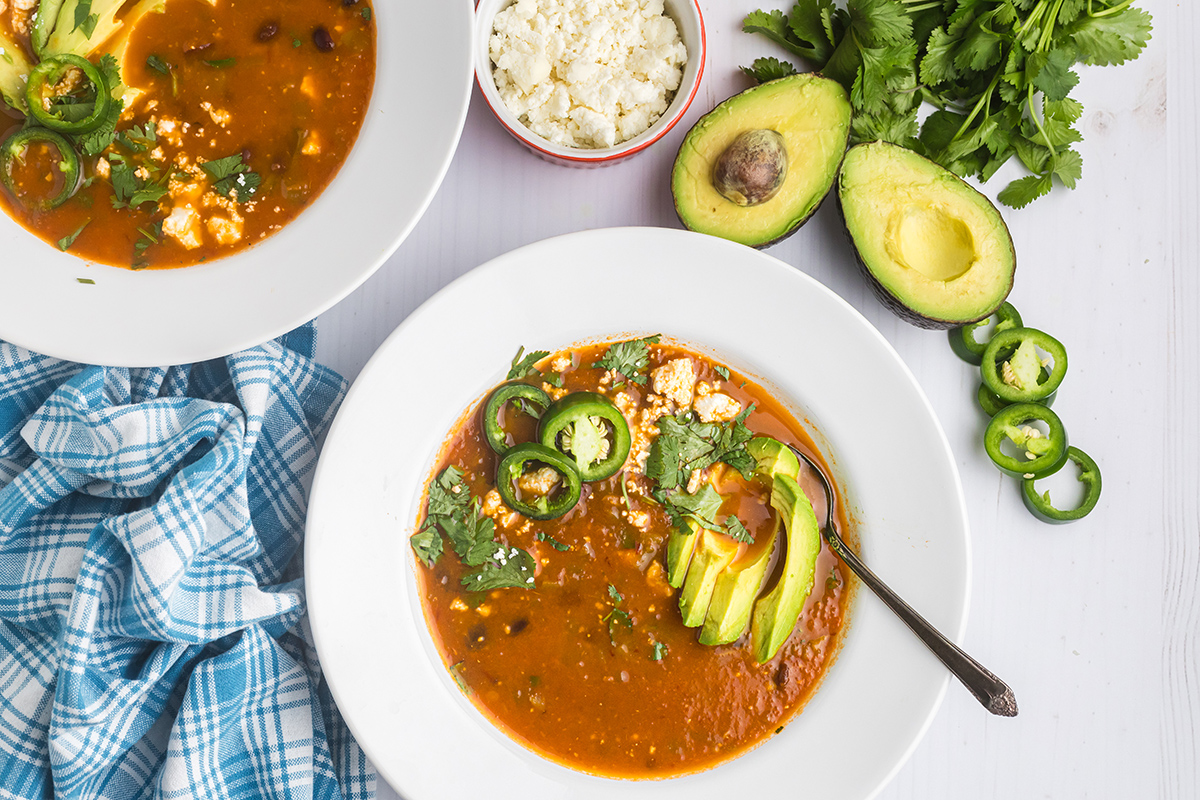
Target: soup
x=610 y=602
x=191 y=130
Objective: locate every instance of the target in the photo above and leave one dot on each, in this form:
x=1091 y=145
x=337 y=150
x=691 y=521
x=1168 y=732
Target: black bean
x=267 y=32
x=781 y=675
x=349 y=2
x=518 y=626
x=322 y=40
x=245 y=155
x=476 y=637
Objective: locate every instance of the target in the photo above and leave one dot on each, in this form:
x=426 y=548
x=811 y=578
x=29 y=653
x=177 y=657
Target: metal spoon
x=989 y=690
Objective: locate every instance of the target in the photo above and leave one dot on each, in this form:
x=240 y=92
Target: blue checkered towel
x=152 y=630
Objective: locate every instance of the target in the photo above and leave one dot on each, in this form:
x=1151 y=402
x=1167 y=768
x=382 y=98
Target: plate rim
x=379 y=358
x=182 y=346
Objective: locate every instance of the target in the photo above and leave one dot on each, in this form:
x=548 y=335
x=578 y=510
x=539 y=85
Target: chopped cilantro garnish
x=452 y=511
x=88 y=281
x=366 y=13
x=456 y=671
x=522 y=367
x=296 y=42
x=229 y=174
x=149 y=237
x=554 y=379
x=659 y=650
x=722 y=371
x=158 y=65
x=735 y=529
x=550 y=540
x=616 y=615
x=629 y=358
x=685 y=444
x=94 y=143
x=65 y=243
x=221 y=63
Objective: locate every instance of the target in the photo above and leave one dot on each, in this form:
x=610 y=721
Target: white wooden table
x=1095 y=625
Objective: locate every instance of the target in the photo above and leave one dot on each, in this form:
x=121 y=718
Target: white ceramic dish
x=422 y=88
x=762 y=317
x=690 y=22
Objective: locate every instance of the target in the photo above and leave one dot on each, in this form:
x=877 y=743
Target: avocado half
x=810 y=113
x=935 y=250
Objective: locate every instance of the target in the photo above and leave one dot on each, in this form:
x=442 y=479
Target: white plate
x=422 y=88
x=758 y=315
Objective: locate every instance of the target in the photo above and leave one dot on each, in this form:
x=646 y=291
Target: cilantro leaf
x=230 y=175
x=550 y=540
x=1024 y=191
x=736 y=529
x=65 y=243
x=158 y=65
x=221 y=63
x=685 y=444
x=1111 y=39
x=506 y=568
x=658 y=650
x=616 y=615
x=523 y=367
x=629 y=358
x=427 y=544
x=1051 y=73
x=769 y=69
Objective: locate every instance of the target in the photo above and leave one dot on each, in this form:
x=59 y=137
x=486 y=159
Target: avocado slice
x=714 y=552
x=935 y=250
x=14 y=72
x=680 y=547
x=774 y=149
x=775 y=615
x=738 y=586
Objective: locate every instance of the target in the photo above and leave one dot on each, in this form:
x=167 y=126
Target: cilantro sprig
x=616 y=615
x=523 y=365
x=999 y=73
x=232 y=178
x=684 y=444
x=629 y=358
x=452 y=512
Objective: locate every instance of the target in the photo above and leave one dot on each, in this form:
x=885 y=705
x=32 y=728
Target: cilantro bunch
x=998 y=72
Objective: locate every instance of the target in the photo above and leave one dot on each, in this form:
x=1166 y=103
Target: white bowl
x=690 y=22
x=151 y=318
x=764 y=318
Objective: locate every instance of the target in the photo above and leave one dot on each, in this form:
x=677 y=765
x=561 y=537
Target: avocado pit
x=753 y=168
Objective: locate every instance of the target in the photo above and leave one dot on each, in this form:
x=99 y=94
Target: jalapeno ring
x=1041 y=507
x=1013 y=370
x=574 y=426
x=970 y=349
x=493 y=430
x=44 y=77
x=68 y=161
x=1048 y=452
x=512 y=467
x=992 y=404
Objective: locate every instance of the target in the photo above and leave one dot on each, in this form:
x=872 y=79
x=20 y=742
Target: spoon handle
x=989 y=690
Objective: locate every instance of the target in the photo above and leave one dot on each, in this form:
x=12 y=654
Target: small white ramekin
x=689 y=20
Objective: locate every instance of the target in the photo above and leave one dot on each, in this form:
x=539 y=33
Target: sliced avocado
x=738 y=586
x=775 y=615
x=714 y=552
x=14 y=72
x=935 y=250
x=734 y=594
x=756 y=167
x=680 y=547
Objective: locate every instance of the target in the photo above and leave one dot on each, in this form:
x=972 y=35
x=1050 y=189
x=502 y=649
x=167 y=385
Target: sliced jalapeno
x=80 y=109
x=1043 y=454
x=493 y=427
x=991 y=403
x=1015 y=372
x=13 y=152
x=1040 y=505
x=589 y=429
x=970 y=349
x=550 y=495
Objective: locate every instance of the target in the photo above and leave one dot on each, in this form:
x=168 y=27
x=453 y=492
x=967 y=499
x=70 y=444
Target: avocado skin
x=896 y=304
x=680 y=159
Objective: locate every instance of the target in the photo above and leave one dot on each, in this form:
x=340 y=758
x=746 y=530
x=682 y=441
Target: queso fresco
x=620 y=563
x=163 y=133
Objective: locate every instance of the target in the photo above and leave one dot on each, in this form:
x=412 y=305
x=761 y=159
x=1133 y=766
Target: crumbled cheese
x=308 y=85
x=561 y=363
x=224 y=229
x=312 y=144
x=103 y=169
x=717 y=408
x=587 y=73
x=675 y=381
x=22 y=15
x=183 y=225
x=491 y=503
x=219 y=115
x=539 y=482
